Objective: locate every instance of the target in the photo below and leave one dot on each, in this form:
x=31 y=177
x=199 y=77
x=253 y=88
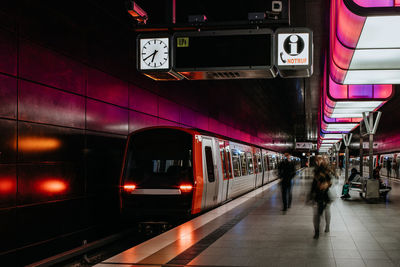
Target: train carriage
x=175 y=172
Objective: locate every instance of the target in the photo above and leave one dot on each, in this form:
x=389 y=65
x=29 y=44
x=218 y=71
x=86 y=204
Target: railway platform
x=253 y=231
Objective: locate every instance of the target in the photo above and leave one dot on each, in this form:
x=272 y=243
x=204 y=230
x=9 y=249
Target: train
x=175 y=172
x=383 y=160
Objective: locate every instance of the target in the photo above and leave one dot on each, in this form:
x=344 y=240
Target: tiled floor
x=361 y=234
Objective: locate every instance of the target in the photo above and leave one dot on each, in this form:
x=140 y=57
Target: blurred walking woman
x=320 y=194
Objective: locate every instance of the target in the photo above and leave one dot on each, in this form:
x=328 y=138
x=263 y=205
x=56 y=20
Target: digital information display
x=222 y=51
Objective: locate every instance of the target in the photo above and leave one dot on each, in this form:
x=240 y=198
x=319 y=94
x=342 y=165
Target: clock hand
x=150 y=55
x=154 y=54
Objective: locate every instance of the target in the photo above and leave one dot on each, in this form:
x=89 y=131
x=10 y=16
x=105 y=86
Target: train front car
x=157 y=179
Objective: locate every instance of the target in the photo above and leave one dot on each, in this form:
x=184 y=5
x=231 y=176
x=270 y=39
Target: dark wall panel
x=47 y=105
x=54 y=69
x=139 y=120
x=106 y=118
x=44 y=21
x=8 y=185
x=142 y=100
x=8 y=52
x=8 y=97
x=8 y=230
x=8 y=141
x=168 y=110
x=39 y=143
x=107 y=88
x=163 y=122
x=104 y=161
x=40 y=222
x=42 y=182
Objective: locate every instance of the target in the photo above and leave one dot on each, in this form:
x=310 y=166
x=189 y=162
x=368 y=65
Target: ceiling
x=284 y=109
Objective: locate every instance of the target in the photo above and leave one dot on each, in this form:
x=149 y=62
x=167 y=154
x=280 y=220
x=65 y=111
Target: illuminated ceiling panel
x=331 y=136
x=338 y=127
x=372 y=76
x=368 y=59
x=380 y=32
x=328 y=141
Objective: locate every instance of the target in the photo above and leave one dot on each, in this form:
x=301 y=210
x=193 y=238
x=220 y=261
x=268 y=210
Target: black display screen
x=193 y=52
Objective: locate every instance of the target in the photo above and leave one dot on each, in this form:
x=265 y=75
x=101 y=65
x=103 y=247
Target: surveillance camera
x=277 y=6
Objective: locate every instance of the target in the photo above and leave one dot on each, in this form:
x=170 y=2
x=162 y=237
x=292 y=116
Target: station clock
x=154 y=53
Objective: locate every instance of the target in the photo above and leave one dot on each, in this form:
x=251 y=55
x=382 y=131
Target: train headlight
x=129 y=187
x=185 y=188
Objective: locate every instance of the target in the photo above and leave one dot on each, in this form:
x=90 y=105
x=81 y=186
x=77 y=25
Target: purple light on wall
x=139 y=120
x=361 y=91
x=107 y=88
x=8 y=95
x=106 y=118
x=143 y=101
x=374 y=3
x=168 y=110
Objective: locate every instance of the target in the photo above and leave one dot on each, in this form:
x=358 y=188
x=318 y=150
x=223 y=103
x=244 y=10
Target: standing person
x=286 y=172
x=389 y=167
x=396 y=167
x=319 y=194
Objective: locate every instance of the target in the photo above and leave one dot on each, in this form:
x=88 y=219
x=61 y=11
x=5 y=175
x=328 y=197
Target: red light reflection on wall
x=34 y=144
x=7 y=185
x=52 y=186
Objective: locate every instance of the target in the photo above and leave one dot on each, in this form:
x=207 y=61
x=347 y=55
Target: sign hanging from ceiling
x=294 y=52
x=292 y=49
x=304 y=145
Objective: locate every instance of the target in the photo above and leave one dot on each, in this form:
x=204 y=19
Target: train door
x=258 y=167
x=266 y=168
x=225 y=171
x=210 y=172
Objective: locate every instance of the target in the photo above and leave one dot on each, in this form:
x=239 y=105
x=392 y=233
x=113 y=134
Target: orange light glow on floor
x=33 y=144
x=52 y=186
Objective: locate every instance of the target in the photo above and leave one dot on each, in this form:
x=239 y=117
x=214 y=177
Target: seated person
x=353 y=175
x=376 y=175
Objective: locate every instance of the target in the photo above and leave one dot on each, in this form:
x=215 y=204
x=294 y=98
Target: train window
x=228 y=158
x=223 y=158
x=210 y=164
x=235 y=163
x=159 y=158
x=250 y=167
x=243 y=163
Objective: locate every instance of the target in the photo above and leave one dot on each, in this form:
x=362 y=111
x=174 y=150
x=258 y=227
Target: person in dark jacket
x=320 y=194
x=286 y=172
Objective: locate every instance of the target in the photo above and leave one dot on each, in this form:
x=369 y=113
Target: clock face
x=154 y=53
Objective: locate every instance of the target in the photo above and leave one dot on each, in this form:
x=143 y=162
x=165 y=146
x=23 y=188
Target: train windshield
x=159 y=158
